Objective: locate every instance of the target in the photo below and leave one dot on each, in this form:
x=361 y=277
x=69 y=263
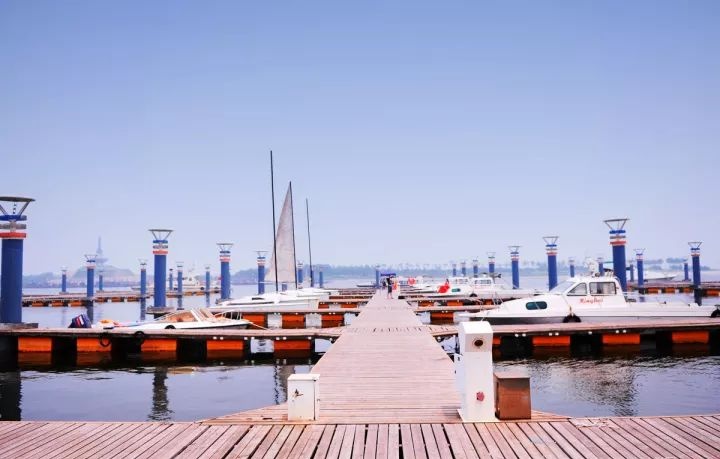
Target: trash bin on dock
x=512 y=395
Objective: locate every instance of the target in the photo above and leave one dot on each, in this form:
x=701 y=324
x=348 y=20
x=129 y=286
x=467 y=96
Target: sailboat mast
x=292 y=220
x=307 y=212
x=272 y=192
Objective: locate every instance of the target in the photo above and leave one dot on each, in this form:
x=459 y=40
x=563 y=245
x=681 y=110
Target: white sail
x=284 y=257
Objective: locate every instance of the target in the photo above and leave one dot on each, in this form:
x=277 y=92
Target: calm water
x=684 y=382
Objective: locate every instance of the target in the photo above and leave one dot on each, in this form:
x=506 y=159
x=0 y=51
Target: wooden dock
x=638 y=437
x=387 y=390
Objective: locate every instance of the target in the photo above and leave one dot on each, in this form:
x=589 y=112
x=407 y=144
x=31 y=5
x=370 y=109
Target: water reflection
x=160 y=404
x=10 y=396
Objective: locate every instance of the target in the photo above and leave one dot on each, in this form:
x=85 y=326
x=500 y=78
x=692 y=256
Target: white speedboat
x=658 y=276
x=487 y=287
x=304 y=298
x=189 y=319
x=587 y=298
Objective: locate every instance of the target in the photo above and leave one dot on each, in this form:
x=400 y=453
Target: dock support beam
x=300 y=273
x=551 y=250
x=454 y=269
x=632 y=271
x=90 y=279
x=617 y=241
x=571 y=262
x=225 y=277
x=12 y=233
x=601 y=265
x=143 y=279
x=171 y=283
x=491 y=262
x=160 y=250
x=686 y=271
x=476 y=268
x=261 y=273
x=695 y=255
x=639 y=261
x=63 y=281
x=321 y=279
x=463 y=268
x=515 y=262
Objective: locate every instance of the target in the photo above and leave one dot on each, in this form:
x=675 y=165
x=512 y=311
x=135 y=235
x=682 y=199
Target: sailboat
x=281 y=272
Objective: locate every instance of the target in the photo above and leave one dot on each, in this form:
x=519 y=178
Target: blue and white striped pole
x=476 y=268
x=618 y=241
x=207 y=280
x=695 y=255
x=601 y=266
x=225 y=277
x=571 y=262
x=180 y=266
x=63 y=282
x=90 y=279
x=143 y=279
x=551 y=251
x=321 y=280
x=491 y=262
x=171 y=284
x=300 y=274
x=12 y=234
x=632 y=271
x=639 y=253
x=463 y=268
x=515 y=262
x=454 y=269
x=686 y=270
x=261 y=272
x=160 y=250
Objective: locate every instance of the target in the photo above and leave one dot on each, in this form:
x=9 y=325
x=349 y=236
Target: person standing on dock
x=389 y=287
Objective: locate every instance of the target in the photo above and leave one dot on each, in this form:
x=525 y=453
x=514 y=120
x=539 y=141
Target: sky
x=420 y=131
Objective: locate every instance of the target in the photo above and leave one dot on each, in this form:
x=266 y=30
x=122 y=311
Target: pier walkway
x=387 y=390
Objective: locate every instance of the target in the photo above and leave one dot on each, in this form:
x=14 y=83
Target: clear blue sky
x=420 y=131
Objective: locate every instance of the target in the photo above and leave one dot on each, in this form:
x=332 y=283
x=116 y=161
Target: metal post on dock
x=207 y=280
x=101 y=284
x=63 y=280
x=377 y=276
x=170 y=280
x=571 y=262
x=300 y=273
x=261 y=272
x=515 y=262
x=639 y=261
x=601 y=266
x=321 y=279
x=695 y=255
x=476 y=267
x=632 y=271
x=160 y=251
x=454 y=268
x=12 y=234
x=143 y=278
x=618 y=241
x=551 y=250
x=491 y=262
x=225 y=277
x=686 y=270
x=463 y=268
x=90 y=279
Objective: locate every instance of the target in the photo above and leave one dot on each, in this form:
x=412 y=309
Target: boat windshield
x=205 y=313
x=562 y=287
x=185 y=316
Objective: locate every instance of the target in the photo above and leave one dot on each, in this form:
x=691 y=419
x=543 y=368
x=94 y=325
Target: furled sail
x=284 y=257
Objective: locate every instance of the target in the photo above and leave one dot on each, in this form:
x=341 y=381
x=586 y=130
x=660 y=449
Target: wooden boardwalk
x=643 y=437
x=386 y=367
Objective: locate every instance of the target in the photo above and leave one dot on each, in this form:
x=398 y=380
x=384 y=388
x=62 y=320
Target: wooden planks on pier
x=641 y=437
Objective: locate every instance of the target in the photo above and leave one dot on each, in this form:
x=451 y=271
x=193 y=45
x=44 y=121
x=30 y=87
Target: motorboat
x=188 y=319
x=587 y=298
x=658 y=276
x=304 y=298
x=485 y=286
